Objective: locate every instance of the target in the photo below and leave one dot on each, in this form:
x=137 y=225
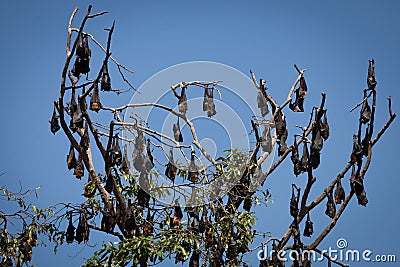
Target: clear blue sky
x=334 y=40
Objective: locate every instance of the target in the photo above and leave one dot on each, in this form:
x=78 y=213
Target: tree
x=21 y=227
x=219 y=231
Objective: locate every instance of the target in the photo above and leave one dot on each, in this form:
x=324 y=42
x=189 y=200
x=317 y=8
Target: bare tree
x=150 y=231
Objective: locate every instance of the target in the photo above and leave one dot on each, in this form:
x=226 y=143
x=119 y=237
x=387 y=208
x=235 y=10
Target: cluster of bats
x=81 y=233
x=311 y=160
x=143 y=162
x=81 y=66
x=208 y=102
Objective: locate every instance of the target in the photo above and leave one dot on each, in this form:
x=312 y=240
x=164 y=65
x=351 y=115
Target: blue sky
x=334 y=40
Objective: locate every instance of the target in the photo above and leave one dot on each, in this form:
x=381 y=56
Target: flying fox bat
x=294 y=203
x=193 y=171
x=125 y=165
x=182 y=102
x=54 y=125
x=95 y=103
x=82 y=231
x=330 y=205
x=304 y=158
x=309 y=228
x=339 y=192
x=71 y=160
x=108 y=221
x=301 y=92
x=266 y=140
x=365 y=113
x=324 y=127
x=262 y=104
x=208 y=102
x=171 y=169
x=105 y=82
x=282 y=143
x=371 y=82
x=177 y=132
x=70 y=233
x=79 y=170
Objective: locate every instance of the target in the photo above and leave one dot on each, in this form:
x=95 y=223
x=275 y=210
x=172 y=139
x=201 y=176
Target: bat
x=125 y=165
x=171 y=169
x=193 y=171
x=339 y=192
x=95 y=103
x=109 y=187
x=182 y=102
x=282 y=143
x=79 y=170
x=177 y=132
x=83 y=54
x=262 y=104
x=139 y=161
x=82 y=231
x=324 y=127
x=301 y=92
x=140 y=141
x=143 y=196
x=70 y=233
x=85 y=140
x=211 y=106
x=77 y=119
x=130 y=222
x=205 y=221
x=295 y=158
x=371 y=75
x=115 y=156
x=365 y=113
x=316 y=139
x=149 y=160
x=315 y=158
x=266 y=140
x=177 y=215
x=365 y=141
x=208 y=102
x=54 y=125
x=316 y=146
x=357 y=185
x=304 y=158
x=205 y=99
x=108 y=221
x=294 y=203
x=330 y=205
x=247 y=203
x=280 y=123
x=71 y=160
x=72 y=104
x=309 y=228
x=105 y=83
x=356 y=153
